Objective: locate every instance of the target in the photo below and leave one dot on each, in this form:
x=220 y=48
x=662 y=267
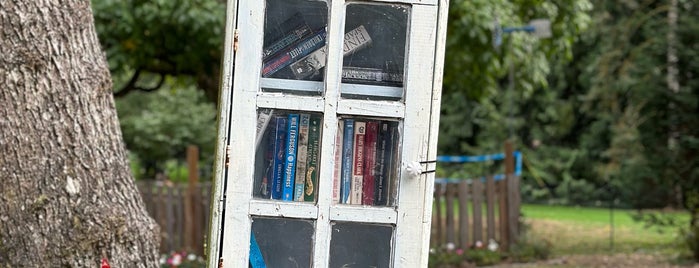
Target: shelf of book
x=288 y=85
x=389 y=109
x=349 y=90
x=288 y=154
x=278 y=101
x=366 y=166
x=341 y=212
x=372 y=92
x=274 y=208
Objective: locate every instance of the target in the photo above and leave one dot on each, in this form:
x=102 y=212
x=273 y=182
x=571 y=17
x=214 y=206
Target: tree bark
x=67 y=197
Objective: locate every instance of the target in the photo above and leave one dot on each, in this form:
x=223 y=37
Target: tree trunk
x=67 y=198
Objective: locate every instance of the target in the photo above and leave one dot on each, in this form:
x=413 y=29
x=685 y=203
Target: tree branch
x=130 y=85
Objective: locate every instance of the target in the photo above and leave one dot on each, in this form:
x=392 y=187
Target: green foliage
x=530 y=248
x=159 y=126
x=483 y=257
x=447 y=257
x=147 y=39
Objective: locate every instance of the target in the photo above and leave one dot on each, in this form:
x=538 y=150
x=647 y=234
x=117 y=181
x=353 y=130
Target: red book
x=370 y=165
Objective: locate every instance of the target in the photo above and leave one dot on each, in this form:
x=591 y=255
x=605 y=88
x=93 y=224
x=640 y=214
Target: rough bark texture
x=67 y=198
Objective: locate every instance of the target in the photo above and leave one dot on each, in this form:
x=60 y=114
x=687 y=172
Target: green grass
x=576 y=230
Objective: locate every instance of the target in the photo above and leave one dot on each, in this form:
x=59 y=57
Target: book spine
x=347 y=149
x=370 y=75
x=369 y=185
x=384 y=155
x=354 y=40
x=302 y=49
x=278 y=157
x=313 y=153
x=290 y=157
x=337 y=169
x=265 y=188
x=393 y=165
x=358 y=163
x=301 y=156
x=295 y=35
x=263 y=119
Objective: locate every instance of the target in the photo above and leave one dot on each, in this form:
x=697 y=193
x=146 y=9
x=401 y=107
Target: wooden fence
x=457 y=216
x=464 y=212
x=181 y=210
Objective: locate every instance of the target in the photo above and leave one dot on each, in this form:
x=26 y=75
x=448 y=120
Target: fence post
x=463 y=214
x=191 y=213
x=512 y=192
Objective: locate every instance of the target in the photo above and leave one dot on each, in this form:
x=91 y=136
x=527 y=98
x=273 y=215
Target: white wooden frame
x=418 y=111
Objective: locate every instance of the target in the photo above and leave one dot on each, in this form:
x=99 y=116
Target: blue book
x=290 y=157
x=279 y=144
x=347 y=158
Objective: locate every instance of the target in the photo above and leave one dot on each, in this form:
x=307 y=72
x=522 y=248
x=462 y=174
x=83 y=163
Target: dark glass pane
x=284 y=242
x=360 y=245
x=286 y=165
x=294 y=29
x=375 y=43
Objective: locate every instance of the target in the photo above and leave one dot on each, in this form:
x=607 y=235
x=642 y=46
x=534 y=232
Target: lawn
x=576 y=230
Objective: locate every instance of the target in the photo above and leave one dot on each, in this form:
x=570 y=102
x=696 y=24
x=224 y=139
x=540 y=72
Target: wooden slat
x=512 y=211
x=438 y=214
x=502 y=214
x=513 y=205
x=477 y=195
x=464 y=200
x=450 y=196
x=490 y=205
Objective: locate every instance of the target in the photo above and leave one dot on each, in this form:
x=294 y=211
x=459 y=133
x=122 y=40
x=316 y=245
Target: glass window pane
x=294 y=30
x=366 y=170
x=288 y=155
x=360 y=245
x=374 y=46
x=284 y=242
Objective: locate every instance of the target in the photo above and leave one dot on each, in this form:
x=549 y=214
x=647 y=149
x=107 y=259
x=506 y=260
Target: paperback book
x=358 y=163
x=290 y=157
x=294 y=53
x=313 y=158
x=301 y=157
x=278 y=142
x=347 y=159
x=311 y=65
x=368 y=186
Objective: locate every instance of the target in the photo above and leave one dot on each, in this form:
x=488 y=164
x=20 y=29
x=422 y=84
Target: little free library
x=327 y=133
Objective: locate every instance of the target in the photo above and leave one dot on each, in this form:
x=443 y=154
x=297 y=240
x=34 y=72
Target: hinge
x=235 y=40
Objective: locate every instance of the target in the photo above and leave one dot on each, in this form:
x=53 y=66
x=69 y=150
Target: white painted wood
x=372 y=91
x=237 y=223
x=371 y=108
x=276 y=208
x=416 y=105
x=434 y=127
x=416 y=2
x=363 y=214
x=290 y=102
x=418 y=97
x=215 y=222
x=336 y=21
x=297 y=86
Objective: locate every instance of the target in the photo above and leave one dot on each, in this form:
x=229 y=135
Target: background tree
x=148 y=41
x=67 y=196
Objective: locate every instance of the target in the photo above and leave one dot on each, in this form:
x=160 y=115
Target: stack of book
x=303 y=50
x=367 y=153
x=293 y=151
